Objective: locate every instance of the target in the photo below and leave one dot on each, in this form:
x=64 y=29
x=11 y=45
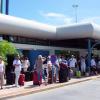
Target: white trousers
x=83 y=68
x=1 y=78
x=17 y=74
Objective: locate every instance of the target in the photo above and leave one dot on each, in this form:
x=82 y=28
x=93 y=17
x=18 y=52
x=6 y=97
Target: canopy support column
x=89 y=55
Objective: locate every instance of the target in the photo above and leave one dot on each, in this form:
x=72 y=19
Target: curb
x=27 y=92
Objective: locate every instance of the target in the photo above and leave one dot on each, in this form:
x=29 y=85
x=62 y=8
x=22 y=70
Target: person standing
x=57 y=68
x=2 y=72
x=17 y=65
x=93 y=66
x=49 y=66
x=25 y=64
x=63 y=73
x=83 y=65
x=39 y=68
x=72 y=64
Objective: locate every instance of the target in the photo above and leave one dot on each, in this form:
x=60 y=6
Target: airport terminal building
x=33 y=38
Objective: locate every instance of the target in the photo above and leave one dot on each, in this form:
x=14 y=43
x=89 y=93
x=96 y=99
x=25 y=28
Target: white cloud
x=68 y=20
x=55 y=15
x=57 y=18
x=91 y=19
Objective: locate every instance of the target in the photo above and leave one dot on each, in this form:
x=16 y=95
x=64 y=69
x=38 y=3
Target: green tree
x=7 y=48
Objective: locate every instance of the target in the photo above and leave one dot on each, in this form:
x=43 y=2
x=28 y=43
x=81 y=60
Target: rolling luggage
x=63 y=76
x=78 y=74
x=87 y=74
x=71 y=73
x=10 y=78
x=27 y=76
x=36 y=81
x=31 y=75
x=50 y=77
x=63 y=73
x=21 y=80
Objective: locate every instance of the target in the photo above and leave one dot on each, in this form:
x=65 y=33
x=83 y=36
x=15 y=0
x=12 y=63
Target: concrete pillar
x=89 y=54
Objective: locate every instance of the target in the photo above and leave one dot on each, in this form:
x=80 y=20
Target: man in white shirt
x=93 y=66
x=93 y=63
x=72 y=64
x=17 y=65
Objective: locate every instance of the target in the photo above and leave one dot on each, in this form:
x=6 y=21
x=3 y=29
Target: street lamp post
x=75 y=6
x=1 y=6
x=7 y=7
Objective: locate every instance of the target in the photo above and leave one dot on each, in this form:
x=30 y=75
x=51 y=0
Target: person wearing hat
x=2 y=72
x=72 y=64
x=17 y=65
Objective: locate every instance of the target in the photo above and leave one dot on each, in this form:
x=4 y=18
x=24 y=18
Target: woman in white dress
x=83 y=65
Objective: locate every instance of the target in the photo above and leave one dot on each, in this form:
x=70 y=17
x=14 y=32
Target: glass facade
x=70 y=43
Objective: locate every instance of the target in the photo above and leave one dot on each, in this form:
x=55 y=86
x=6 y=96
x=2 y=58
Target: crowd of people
x=52 y=68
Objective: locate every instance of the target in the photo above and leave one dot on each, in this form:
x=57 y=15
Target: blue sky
x=56 y=12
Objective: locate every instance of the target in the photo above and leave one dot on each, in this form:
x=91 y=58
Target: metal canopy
x=10 y=25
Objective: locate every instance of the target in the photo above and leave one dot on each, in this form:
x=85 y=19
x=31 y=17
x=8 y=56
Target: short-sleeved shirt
x=17 y=65
x=72 y=62
x=93 y=63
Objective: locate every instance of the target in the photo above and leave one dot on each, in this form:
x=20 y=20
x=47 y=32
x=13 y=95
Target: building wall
x=33 y=54
x=50 y=49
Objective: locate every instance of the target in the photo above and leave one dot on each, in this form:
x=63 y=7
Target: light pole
x=75 y=6
x=1 y=6
x=7 y=7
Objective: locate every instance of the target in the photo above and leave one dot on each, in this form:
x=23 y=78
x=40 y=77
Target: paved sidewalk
x=11 y=91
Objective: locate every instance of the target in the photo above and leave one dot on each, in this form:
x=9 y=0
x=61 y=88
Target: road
x=89 y=90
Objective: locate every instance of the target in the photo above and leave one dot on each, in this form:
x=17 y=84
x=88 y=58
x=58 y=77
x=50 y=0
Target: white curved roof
x=21 y=27
x=18 y=26
x=83 y=30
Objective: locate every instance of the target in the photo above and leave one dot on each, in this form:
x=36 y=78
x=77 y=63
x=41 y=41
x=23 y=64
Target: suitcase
x=21 y=80
x=50 y=77
x=78 y=74
x=27 y=76
x=35 y=78
x=71 y=73
x=63 y=75
x=87 y=74
x=10 y=78
x=31 y=75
